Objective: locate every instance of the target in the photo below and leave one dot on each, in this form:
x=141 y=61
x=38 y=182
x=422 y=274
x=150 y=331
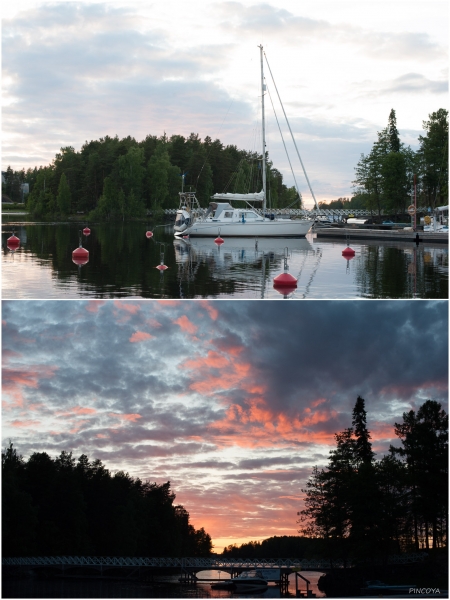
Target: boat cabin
x=224 y=212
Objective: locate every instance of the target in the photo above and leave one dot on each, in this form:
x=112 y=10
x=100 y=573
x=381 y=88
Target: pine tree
x=63 y=198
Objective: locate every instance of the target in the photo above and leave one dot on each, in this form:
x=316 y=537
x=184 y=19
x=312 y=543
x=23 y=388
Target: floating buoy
x=348 y=253
x=13 y=242
x=86 y=231
x=149 y=234
x=219 y=241
x=162 y=267
x=285 y=283
x=80 y=256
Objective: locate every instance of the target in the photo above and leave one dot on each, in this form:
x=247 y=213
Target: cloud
x=186 y=324
x=239 y=419
x=140 y=336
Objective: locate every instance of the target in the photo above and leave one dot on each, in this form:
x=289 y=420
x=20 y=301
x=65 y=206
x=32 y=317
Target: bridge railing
x=302 y=212
x=193 y=562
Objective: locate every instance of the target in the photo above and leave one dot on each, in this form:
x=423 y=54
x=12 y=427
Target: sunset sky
x=77 y=71
x=232 y=401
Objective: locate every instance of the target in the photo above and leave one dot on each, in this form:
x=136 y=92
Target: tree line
x=278 y=546
x=115 y=179
x=360 y=508
x=384 y=178
x=64 y=506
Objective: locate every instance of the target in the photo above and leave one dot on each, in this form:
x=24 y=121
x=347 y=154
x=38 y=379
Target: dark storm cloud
x=338 y=350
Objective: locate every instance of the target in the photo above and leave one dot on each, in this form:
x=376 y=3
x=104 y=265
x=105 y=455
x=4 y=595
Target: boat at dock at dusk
x=221 y=218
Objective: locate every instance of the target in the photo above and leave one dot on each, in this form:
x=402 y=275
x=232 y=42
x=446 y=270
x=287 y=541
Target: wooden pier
x=397 y=235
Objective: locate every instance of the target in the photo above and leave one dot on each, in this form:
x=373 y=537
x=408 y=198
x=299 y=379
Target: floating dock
x=394 y=235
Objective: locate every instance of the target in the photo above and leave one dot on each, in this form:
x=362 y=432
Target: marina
x=121 y=262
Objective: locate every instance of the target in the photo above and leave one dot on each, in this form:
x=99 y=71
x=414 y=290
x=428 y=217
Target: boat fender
x=243 y=220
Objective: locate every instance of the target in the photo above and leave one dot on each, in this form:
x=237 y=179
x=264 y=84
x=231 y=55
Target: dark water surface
x=87 y=588
x=122 y=264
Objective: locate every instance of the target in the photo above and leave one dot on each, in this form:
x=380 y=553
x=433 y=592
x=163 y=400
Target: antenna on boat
x=263 y=89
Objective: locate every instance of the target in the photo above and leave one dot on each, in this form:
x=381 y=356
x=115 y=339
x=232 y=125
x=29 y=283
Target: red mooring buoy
x=80 y=256
x=348 y=252
x=162 y=267
x=149 y=234
x=86 y=231
x=219 y=241
x=13 y=242
x=285 y=283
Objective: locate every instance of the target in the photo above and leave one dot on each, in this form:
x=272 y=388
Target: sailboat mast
x=263 y=89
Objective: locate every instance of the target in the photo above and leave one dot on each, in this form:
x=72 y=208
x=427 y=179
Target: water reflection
x=160 y=588
x=123 y=264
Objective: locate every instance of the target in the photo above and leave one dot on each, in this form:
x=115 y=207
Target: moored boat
x=250 y=581
x=222 y=218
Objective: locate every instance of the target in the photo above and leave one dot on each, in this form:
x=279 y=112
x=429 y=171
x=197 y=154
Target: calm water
x=66 y=588
x=122 y=264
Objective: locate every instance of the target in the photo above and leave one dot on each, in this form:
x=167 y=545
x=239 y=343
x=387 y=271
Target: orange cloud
x=140 y=336
x=186 y=325
x=255 y=425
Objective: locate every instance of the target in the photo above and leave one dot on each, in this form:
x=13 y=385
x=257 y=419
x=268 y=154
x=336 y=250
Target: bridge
x=194 y=563
x=314 y=212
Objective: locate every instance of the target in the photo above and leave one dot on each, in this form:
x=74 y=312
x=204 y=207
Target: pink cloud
x=153 y=323
x=15 y=380
x=77 y=410
x=131 y=308
x=26 y=423
x=212 y=311
x=126 y=417
x=186 y=325
x=94 y=305
x=140 y=336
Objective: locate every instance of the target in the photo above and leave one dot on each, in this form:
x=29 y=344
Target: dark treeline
x=360 y=508
x=114 y=178
x=283 y=546
x=63 y=506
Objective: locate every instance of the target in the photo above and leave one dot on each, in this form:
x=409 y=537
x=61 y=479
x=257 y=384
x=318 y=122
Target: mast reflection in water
x=122 y=264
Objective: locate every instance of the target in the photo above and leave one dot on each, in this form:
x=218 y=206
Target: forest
x=69 y=507
x=363 y=508
x=119 y=179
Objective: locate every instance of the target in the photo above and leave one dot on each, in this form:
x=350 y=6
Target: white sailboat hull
x=267 y=228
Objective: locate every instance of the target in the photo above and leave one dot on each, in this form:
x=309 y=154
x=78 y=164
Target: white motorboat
x=221 y=218
x=250 y=581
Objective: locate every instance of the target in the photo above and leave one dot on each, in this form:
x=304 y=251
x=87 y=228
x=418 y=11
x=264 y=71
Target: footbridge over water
x=186 y=567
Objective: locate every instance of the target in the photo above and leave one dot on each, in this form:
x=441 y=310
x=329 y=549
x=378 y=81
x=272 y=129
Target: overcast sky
x=76 y=71
x=232 y=401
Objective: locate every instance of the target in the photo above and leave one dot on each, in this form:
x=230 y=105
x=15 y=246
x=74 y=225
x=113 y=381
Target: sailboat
x=221 y=218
